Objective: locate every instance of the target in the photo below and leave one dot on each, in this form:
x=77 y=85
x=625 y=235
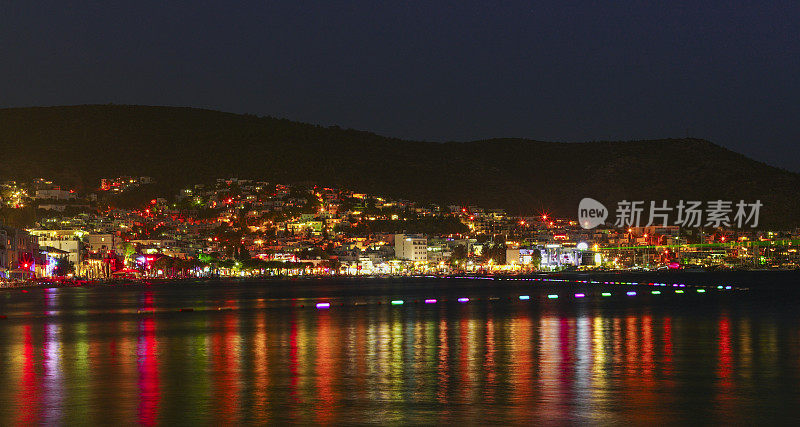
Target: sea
x=615 y=348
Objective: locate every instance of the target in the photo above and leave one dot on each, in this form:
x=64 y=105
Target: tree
x=179 y=266
x=63 y=266
x=164 y=263
x=536 y=258
x=196 y=264
x=254 y=264
x=226 y=263
x=458 y=256
x=129 y=253
x=496 y=253
x=332 y=264
x=242 y=254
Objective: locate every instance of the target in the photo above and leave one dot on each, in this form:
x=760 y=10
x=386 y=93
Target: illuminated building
x=55 y=194
x=101 y=243
x=557 y=256
x=411 y=247
x=65 y=240
x=521 y=256
x=18 y=250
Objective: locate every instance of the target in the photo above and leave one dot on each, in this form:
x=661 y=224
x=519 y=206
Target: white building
x=556 y=256
x=72 y=247
x=522 y=256
x=65 y=240
x=411 y=247
x=101 y=243
x=54 y=194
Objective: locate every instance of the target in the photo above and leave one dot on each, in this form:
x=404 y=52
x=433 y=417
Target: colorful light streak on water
x=149 y=385
x=505 y=361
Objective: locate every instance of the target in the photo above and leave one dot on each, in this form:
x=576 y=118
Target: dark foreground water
x=263 y=353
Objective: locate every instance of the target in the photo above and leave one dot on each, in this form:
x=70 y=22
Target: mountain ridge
x=182 y=145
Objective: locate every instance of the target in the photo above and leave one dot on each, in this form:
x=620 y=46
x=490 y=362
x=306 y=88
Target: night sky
x=461 y=70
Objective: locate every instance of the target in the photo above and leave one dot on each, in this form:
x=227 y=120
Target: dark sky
x=557 y=70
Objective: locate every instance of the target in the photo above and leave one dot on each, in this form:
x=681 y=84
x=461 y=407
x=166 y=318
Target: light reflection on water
x=512 y=362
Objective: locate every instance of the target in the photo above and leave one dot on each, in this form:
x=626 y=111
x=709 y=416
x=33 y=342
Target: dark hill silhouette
x=81 y=144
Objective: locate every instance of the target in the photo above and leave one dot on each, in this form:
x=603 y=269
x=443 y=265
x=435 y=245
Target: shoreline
x=565 y=275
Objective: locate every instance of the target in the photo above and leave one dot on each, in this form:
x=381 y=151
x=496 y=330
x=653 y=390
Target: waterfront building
x=101 y=243
x=522 y=256
x=19 y=251
x=411 y=247
x=68 y=241
x=556 y=256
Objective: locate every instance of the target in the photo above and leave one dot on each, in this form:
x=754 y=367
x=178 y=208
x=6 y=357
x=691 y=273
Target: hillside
x=178 y=146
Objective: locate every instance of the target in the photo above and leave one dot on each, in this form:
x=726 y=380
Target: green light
x=606 y=294
x=679 y=291
x=782 y=242
x=656 y=292
x=719 y=287
x=700 y=291
x=552 y=296
x=397 y=302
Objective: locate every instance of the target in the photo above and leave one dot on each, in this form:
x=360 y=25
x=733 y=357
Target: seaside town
x=243 y=228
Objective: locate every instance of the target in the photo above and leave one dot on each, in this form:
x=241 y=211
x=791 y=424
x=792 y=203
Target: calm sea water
x=263 y=353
